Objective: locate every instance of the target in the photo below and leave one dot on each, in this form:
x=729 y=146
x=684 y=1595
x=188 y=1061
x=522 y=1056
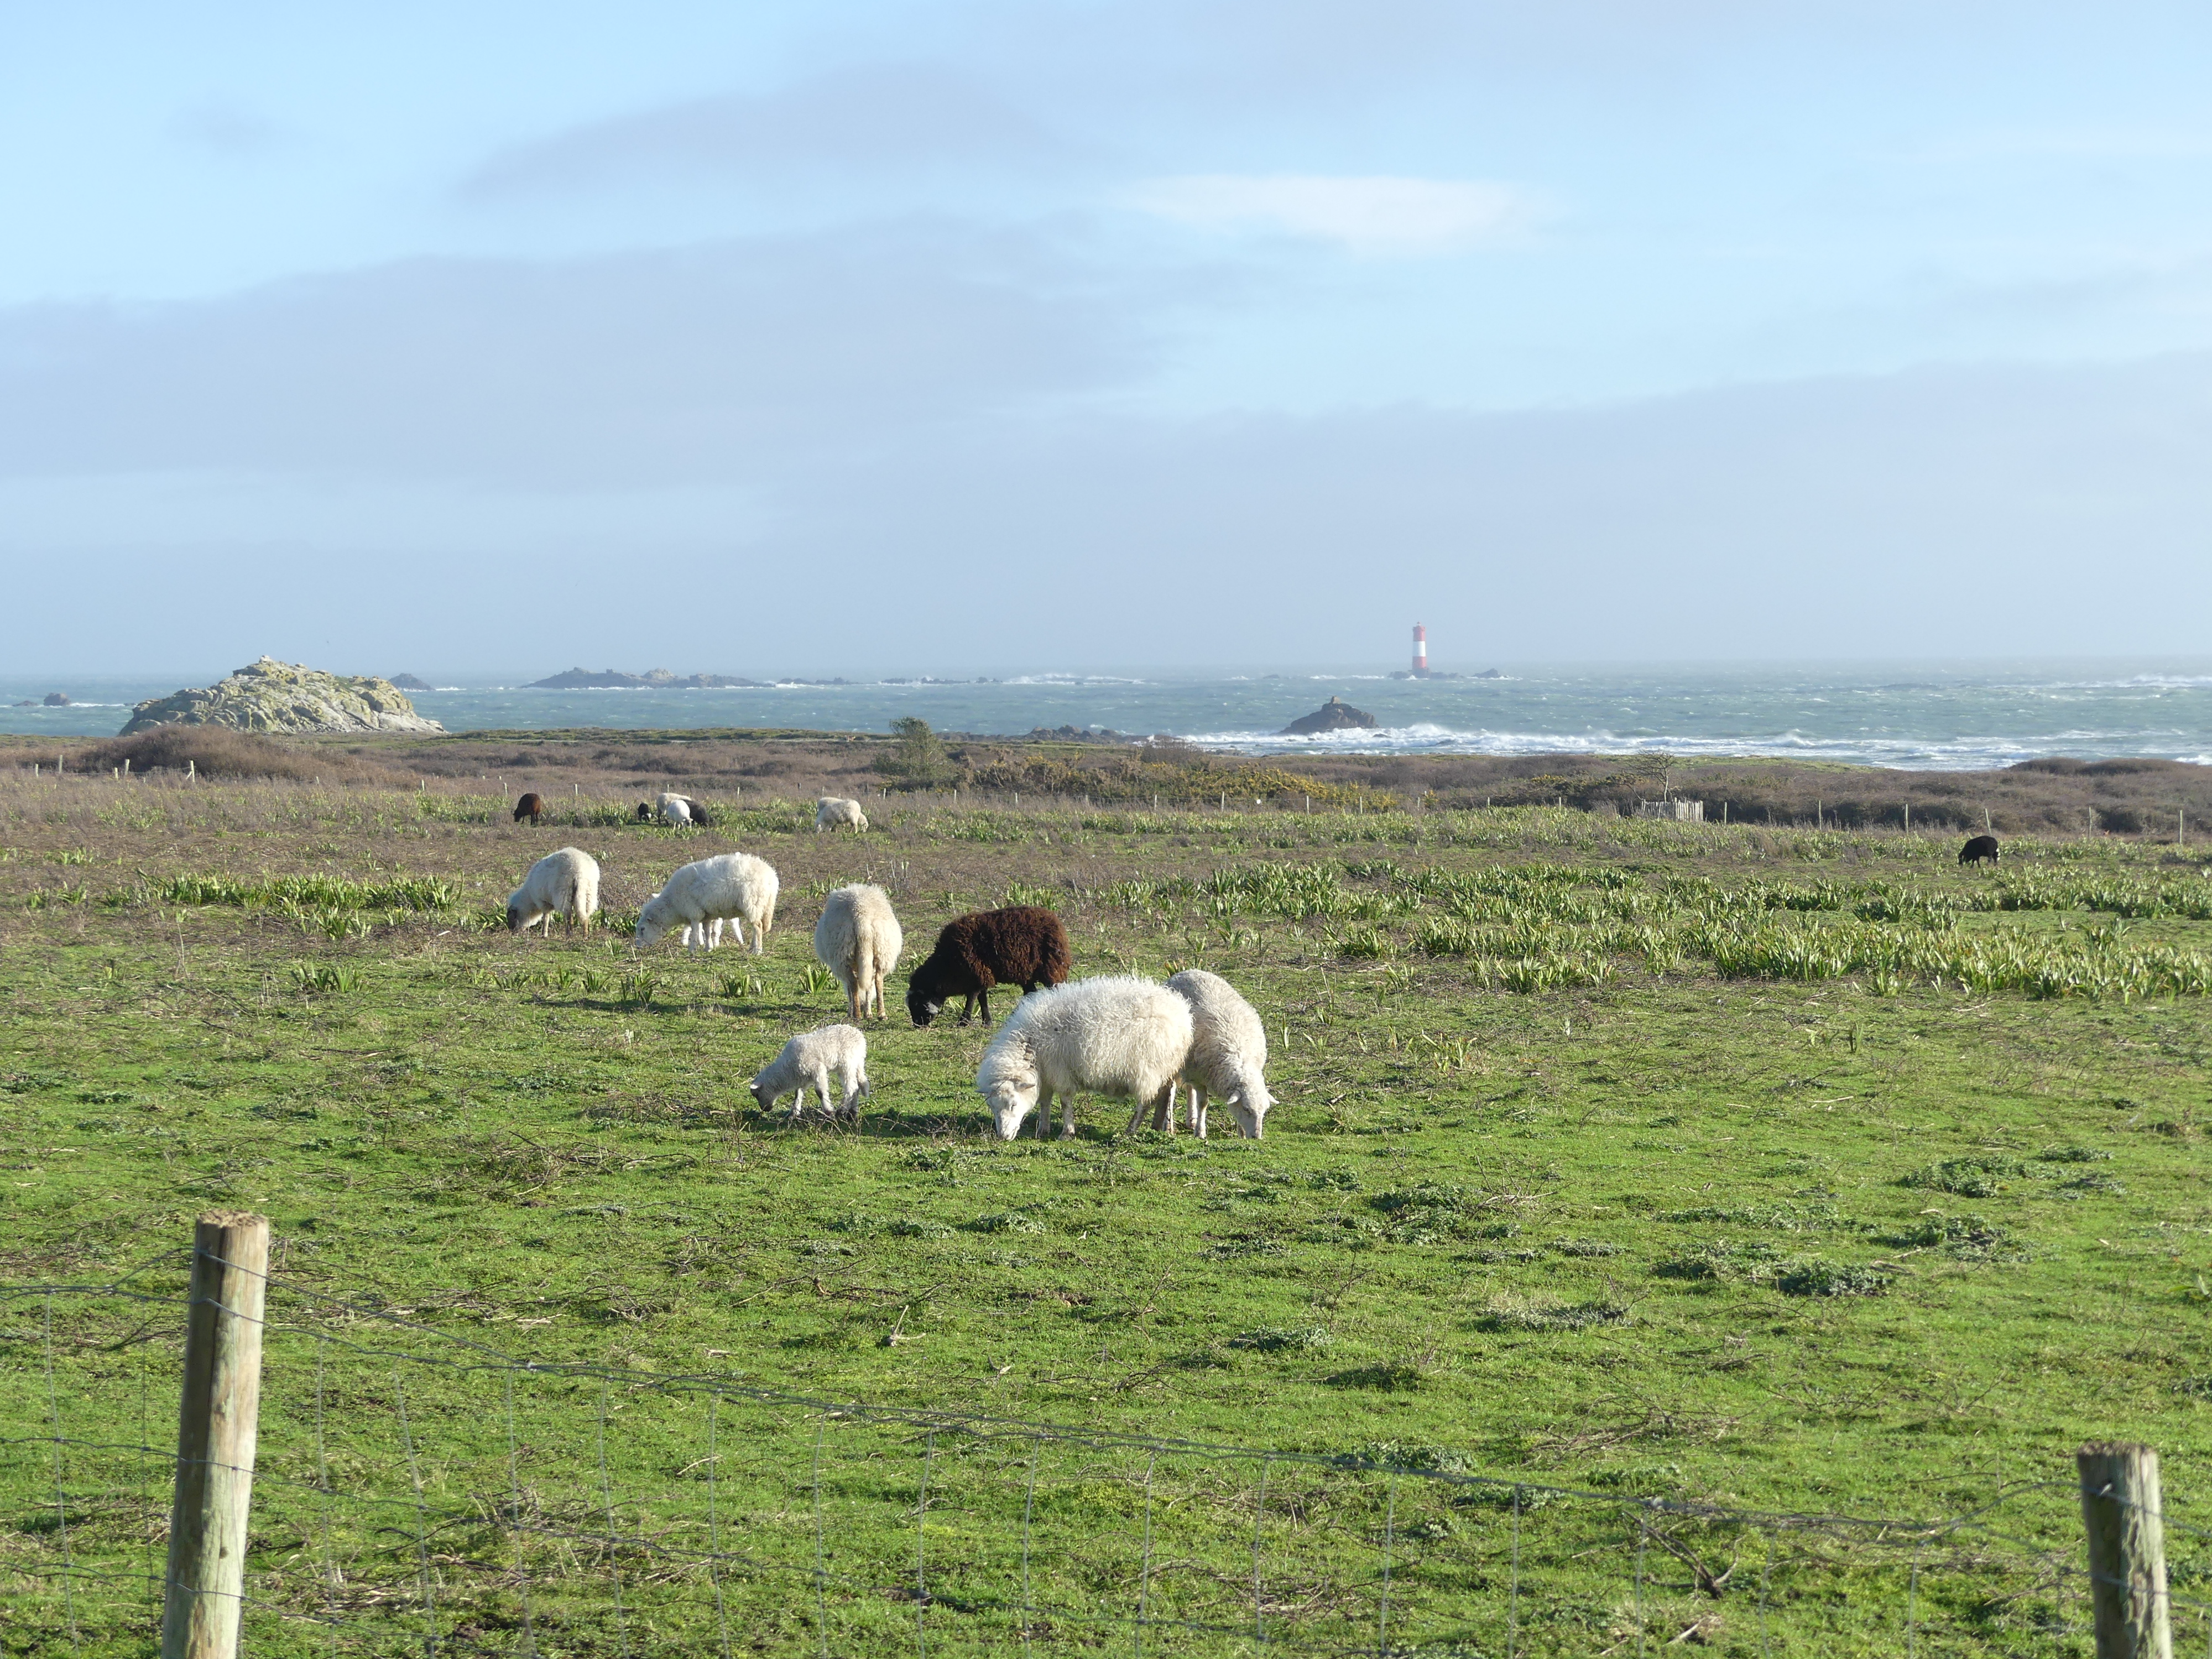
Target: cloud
x=894 y=118
x=1947 y=513
x=675 y=366
x=1373 y=215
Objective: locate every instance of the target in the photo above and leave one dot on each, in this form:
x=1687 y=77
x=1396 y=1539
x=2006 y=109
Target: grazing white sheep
x=679 y=809
x=806 y=1062
x=565 y=884
x=859 y=940
x=1228 y=1054
x=836 y=812
x=736 y=887
x=1112 y=1035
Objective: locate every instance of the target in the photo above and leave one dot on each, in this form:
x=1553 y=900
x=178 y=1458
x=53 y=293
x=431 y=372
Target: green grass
x=1615 y=1195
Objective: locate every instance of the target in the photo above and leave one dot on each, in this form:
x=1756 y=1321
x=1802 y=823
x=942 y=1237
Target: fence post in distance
x=217 y=1425
x=2122 y=1512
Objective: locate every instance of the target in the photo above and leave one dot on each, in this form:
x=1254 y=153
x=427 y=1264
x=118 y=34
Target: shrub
x=918 y=760
x=1536 y=1316
x=1270 y=1339
x=1006 y=1221
x=1814 y=1275
x=1967 y=1177
x=1406 y=1455
x=910 y=1227
x=219 y=751
x=1396 y=1376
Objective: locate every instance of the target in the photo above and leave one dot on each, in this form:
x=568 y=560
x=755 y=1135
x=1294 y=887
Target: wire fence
x=418 y=1492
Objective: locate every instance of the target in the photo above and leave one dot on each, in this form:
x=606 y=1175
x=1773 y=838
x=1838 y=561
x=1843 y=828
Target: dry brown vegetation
x=217 y=751
x=2135 y=798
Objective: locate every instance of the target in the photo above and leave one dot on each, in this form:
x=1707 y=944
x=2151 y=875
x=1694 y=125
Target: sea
x=1960 y=717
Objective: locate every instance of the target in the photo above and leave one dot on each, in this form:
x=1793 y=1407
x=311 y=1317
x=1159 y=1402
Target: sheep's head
x=758 y=1088
x=1010 y=1100
x=650 y=925
x=1248 y=1102
x=921 y=1008
x=645 y=811
x=513 y=917
x=1008 y=1083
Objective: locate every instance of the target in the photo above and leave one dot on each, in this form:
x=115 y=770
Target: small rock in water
x=1334 y=715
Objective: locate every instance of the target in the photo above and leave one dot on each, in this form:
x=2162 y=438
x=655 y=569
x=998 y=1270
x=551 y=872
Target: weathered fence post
x=2122 y=1513
x=216 y=1429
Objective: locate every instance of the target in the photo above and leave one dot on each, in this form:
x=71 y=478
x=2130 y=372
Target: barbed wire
x=323 y=1315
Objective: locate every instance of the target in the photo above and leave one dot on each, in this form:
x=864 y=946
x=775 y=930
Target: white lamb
x=565 y=884
x=679 y=809
x=836 y=812
x=859 y=940
x=736 y=887
x=1114 y=1035
x=807 y=1061
x=1228 y=1054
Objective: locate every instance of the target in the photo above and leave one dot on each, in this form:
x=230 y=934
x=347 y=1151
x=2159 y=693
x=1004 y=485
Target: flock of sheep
x=1117 y=1036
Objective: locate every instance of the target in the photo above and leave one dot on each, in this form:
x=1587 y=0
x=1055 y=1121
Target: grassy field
x=1775 y=1171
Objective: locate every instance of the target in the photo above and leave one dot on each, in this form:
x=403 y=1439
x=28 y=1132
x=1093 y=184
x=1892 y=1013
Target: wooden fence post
x=216 y=1429
x=2122 y=1514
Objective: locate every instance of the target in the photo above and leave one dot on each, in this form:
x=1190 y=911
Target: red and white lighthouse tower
x=1420 y=652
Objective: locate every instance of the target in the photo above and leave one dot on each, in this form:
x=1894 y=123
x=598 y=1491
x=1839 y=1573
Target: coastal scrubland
x=2147 y=798
x=1736 y=1178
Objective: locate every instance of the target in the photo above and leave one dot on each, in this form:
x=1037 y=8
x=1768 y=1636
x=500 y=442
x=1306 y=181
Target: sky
x=927 y=336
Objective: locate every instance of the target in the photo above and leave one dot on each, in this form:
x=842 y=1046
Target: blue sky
x=997 y=335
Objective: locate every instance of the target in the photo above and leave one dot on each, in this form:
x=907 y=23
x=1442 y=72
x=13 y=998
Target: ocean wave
x=1072 y=679
x=1963 y=753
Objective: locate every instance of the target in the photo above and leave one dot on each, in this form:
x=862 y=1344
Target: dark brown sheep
x=529 y=807
x=1981 y=847
x=1022 y=945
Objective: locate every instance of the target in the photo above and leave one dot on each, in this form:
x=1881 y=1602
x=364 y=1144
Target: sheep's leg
x=1164 y=1109
x=984 y=996
x=798 y=1102
x=1198 y=1111
x=1044 y=1109
x=1068 y=1117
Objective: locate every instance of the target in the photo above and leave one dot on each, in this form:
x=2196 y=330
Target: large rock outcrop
x=269 y=695
x=1334 y=715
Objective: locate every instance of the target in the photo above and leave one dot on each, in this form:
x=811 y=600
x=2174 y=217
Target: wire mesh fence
x=419 y=1491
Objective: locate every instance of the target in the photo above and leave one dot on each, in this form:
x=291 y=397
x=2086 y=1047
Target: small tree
x=919 y=759
x=1659 y=767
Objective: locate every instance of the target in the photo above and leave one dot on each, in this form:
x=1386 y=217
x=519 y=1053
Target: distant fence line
x=415 y=1491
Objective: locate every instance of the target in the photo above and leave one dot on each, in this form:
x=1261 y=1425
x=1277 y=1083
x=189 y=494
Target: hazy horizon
x=2148 y=665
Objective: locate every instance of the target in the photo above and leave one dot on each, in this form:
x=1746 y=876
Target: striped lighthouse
x=1420 y=652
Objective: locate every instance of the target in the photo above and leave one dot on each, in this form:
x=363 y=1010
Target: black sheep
x=529 y=807
x=1022 y=945
x=1981 y=847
